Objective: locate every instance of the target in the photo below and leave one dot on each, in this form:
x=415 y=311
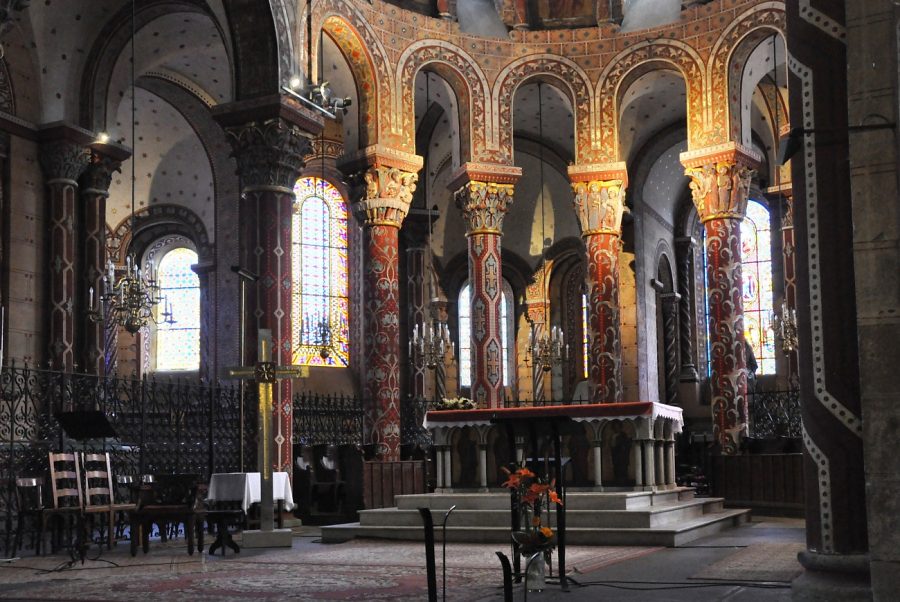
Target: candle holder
x=785 y=327
x=546 y=351
x=131 y=300
x=428 y=347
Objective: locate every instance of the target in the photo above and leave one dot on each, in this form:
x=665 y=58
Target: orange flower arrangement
x=534 y=497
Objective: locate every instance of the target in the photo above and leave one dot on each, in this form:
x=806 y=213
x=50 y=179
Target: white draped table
x=244 y=487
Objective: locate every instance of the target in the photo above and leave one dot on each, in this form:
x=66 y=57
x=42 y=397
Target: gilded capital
x=599 y=205
x=720 y=180
x=98 y=175
x=720 y=190
x=483 y=205
x=385 y=194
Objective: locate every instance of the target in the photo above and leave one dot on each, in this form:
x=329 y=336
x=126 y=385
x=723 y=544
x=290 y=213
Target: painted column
x=670 y=304
x=788 y=258
x=537 y=317
x=438 y=311
x=484 y=199
x=684 y=251
x=94 y=192
x=415 y=233
x=63 y=162
x=387 y=193
x=838 y=187
x=270 y=153
x=720 y=186
x=599 y=204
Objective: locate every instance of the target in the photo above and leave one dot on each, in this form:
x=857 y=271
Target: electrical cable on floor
x=661 y=585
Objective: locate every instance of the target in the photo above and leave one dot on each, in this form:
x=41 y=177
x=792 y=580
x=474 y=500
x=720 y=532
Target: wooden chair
x=65 y=487
x=30 y=505
x=169 y=499
x=99 y=494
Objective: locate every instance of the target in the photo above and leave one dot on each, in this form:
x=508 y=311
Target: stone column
x=482 y=465
x=649 y=463
x=788 y=258
x=846 y=193
x=63 y=159
x=439 y=467
x=599 y=204
x=384 y=189
x=670 y=305
x=448 y=468
x=720 y=185
x=660 y=463
x=94 y=191
x=670 y=462
x=270 y=142
x=415 y=235
x=598 y=464
x=484 y=194
x=638 y=465
x=684 y=252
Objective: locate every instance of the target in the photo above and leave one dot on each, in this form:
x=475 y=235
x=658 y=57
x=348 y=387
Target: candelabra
x=428 y=347
x=785 y=327
x=130 y=301
x=315 y=331
x=547 y=351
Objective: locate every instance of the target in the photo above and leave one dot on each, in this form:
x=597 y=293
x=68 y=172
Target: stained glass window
x=465 y=333
x=178 y=343
x=756 y=274
x=320 y=300
x=756 y=277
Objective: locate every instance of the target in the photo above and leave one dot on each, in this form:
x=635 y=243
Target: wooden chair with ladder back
x=65 y=494
x=100 y=495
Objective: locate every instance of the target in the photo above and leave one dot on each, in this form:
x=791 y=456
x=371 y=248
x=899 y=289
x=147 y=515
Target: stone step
x=653 y=516
x=669 y=535
x=575 y=500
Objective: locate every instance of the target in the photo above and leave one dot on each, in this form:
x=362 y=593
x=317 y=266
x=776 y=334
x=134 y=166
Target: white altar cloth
x=244 y=487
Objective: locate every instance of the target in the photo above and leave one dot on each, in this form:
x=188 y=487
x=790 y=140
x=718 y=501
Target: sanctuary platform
x=616 y=463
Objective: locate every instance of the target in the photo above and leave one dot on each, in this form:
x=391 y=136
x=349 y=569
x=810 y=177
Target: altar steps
x=665 y=518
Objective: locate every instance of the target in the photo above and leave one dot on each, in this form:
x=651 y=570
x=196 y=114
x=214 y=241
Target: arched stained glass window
x=178 y=343
x=320 y=290
x=465 y=333
x=756 y=274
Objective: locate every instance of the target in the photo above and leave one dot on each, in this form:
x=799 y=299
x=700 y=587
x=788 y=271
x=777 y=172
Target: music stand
x=85 y=424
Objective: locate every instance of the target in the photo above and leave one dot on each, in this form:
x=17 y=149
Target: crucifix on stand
x=265 y=373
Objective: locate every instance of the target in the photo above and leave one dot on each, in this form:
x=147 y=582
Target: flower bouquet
x=454 y=403
x=534 y=499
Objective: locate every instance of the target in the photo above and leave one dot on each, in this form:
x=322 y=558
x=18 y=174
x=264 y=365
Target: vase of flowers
x=454 y=403
x=536 y=539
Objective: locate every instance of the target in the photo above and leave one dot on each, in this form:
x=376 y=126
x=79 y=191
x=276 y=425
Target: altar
x=610 y=447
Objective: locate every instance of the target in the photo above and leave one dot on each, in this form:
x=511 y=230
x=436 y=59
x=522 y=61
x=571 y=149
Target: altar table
x=244 y=487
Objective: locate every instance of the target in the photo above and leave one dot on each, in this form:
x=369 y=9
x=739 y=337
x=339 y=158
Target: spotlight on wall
x=102 y=137
x=319 y=97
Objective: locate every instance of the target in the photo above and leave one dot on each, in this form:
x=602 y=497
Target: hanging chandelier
x=427 y=349
x=785 y=327
x=547 y=351
x=132 y=300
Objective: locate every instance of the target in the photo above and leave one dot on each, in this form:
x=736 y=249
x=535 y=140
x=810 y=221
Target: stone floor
x=750 y=563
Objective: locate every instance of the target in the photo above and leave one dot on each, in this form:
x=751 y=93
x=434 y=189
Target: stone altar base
x=276 y=538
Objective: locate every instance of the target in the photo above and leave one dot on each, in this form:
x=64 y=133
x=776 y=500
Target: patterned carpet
x=356 y=570
x=775 y=562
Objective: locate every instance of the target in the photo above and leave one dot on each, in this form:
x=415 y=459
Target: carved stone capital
x=720 y=180
x=483 y=205
x=599 y=205
x=270 y=153
x=64 y=160
x=385 y=194
x=98 y=175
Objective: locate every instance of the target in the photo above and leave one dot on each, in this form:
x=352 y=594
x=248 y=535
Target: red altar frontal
x=605 y=447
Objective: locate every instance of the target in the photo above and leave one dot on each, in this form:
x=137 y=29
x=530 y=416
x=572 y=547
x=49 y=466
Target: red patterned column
x=484 y=199
x=599 y=203
x=381 y=210
x=720 y=185
x=269 y=151
x=789 y=263
x=62 y=161
x=94 y=192
x=415 y=237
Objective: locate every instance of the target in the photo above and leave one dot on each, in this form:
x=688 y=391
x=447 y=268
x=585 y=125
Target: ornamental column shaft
x=599 y=204
x=94 y=193
x=720 y=186
x=270 y=142
x=484 y=202
x=62 y=162
x=386 y=195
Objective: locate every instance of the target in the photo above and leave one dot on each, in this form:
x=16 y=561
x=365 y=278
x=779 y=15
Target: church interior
x=389 y=251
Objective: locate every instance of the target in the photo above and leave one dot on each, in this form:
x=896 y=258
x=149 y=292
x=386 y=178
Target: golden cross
x=266 y=372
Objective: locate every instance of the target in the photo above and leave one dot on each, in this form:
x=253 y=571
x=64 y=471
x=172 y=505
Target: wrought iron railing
x=774 y=414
